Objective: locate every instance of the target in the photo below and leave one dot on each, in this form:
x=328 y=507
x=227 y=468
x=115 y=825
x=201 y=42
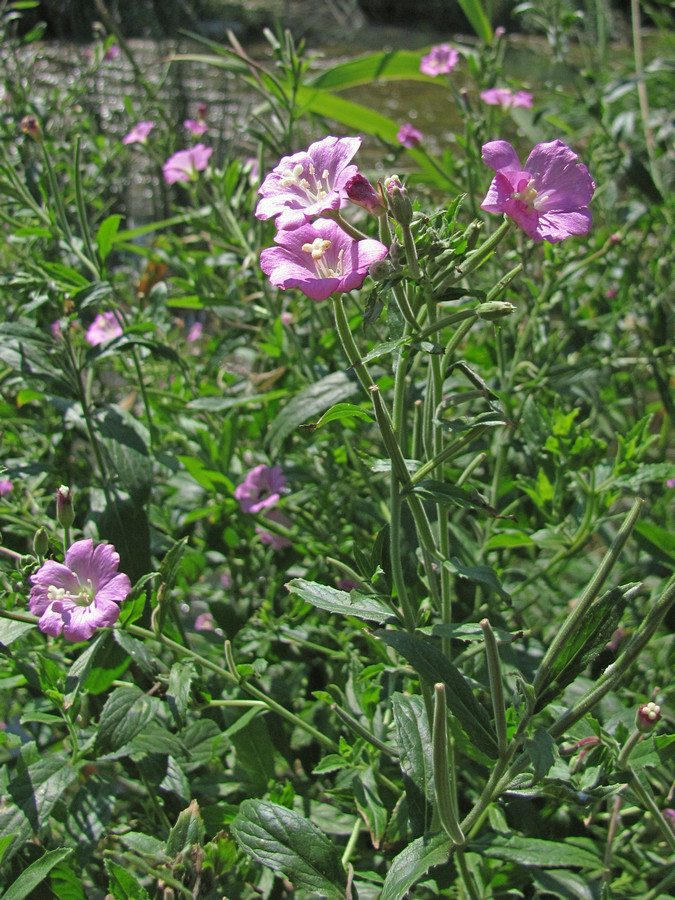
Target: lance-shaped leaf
x=413 y=737
x=414 y=862
x=35 y=874
x=290 y=845
x=433 y=666
x=347 y=604
x=310 y=403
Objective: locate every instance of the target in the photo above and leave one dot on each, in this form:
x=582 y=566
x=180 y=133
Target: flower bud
x=65 y=513
x=399 y=203
x=381 y=270
x=30 y=126
x=41 y=543
x=495 y=309
x=360 y=191
x=647 y=716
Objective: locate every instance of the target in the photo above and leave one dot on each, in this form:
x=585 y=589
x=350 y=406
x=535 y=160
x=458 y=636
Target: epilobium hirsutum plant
x=370 y=455
x=416 y=589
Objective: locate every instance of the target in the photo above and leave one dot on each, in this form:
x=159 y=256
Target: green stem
x=587 y=597
x=233 y=680
x=347 y=340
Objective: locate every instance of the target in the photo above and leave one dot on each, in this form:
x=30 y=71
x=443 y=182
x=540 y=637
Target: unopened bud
x=41 y=543
x=30 y=126
x=381 y=270
x=360 y=191
x=495 y=309
x=65 y=513
x=647 y=716
x=399 y=203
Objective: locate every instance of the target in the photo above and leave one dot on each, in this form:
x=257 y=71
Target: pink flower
x=139 y=133
x=195 y=332
x=548 y=198
x=409 y=136
x=308 y=183
x=80 y=595
x=105 y=327
x=442 y=59
x=195 y=126
x=186 y=164
x=276 y=541
x=261 y=488
x=319 y=259
x=5 y=487
x=670 y=483
x=205 y=622
x=505 y=98
x=112 y=52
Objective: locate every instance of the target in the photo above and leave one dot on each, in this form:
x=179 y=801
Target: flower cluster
x=506 y=99
x=318 y=257
x=260 y=492
x=81 y=594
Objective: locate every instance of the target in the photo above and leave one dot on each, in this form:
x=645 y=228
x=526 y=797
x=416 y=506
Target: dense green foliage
x=424 y=680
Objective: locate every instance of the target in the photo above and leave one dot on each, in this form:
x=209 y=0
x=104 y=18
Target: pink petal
x=500 y=155
x=559 y=175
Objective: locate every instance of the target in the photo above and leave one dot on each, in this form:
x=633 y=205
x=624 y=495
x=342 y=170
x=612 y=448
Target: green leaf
x=290 y=845
x=188 y=831
x=178 y=693
x=80 y=669
x=308 y=404
x=217 y=404
x=126 y=712
x=11 y=631
x=341 y=411
x=413 y=737
x=414 y=862
x=473 y=10
x=123 y=885
x=430 y=662
x=36 y=872
x=543 y=752
x=105 y=236
x=588 y=638
x=564 y=884
x=254 y=751
x=390 y=65
x=66 y=883
x=30 y=796
x=144 y=844
x=370 y=806
x=334 y=601
x=126 y=442
x=483 y=575
x=536 y=852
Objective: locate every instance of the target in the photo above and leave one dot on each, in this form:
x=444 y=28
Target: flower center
x=318 y=249
x=83 y=597
x=314 y=188
x=527 y=194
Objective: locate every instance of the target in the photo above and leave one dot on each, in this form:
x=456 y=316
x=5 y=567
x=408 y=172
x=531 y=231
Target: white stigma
x=314 y=188
x=83 y=597
x=528 y=195
x=318 y=248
